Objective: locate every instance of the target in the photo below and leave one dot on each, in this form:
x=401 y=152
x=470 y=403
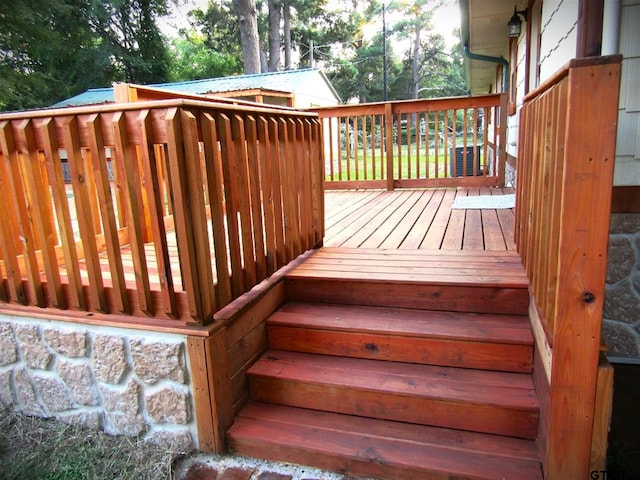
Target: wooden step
x=460 y=281
x=488 y=342
x=476 y=400
x=379 y=448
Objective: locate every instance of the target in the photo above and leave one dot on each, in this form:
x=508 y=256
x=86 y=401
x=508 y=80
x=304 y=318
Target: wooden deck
x=374 y=219
x=367 y=220
x=416 y=219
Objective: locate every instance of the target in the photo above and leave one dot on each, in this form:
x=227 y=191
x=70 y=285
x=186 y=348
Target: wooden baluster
x=215 y=185
x=126 y=158
x=278 y=201
x=292 y=190
x=75 y=293
x=231 y=202
x=244 y=207
x=197 y=217
x=41 y=213
x=81 y=193
x=105 y=199
x=301 y=160
x=266 y=183
x=8 y=215
x=255 y=199
x=151 y=170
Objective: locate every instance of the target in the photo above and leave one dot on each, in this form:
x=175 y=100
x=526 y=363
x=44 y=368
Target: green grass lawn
x=412 y=163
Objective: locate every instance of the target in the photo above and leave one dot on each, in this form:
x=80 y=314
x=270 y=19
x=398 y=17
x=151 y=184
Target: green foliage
x=212 y=45
x=53 y=49
x=47 y=53
x=191 y=59
x=130 y=35
x=361 y=76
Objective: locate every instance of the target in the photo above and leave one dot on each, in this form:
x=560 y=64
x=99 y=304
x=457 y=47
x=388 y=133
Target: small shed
x=305 y=88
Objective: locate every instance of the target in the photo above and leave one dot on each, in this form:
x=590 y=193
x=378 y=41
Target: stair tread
x=457 y=384
x=380 y=448
x=396 y=266
x=493 y=328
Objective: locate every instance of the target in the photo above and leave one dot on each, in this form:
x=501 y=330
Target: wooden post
x=584 y=220
x=182 y=200
x=602 y=417
x=388 y=128
x=502 y=145
x=590 y=17
x=124 y=93
x=211 y=389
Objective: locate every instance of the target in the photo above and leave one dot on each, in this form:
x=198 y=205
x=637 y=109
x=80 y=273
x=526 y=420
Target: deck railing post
x=184 y=199
x=388 y=136
x=502 y=133
x=565 y=176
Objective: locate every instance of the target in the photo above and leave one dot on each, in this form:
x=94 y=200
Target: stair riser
x=454 y=298
x=397 y=348
x=327 y=461
x=382 y=449
x=367 y=467
x=484 y=418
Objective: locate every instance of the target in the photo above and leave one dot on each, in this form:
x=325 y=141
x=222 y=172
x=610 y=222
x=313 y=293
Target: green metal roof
x=93 y=96
x=289 y=81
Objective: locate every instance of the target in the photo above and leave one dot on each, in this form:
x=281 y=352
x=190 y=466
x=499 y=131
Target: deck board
x=416 y=219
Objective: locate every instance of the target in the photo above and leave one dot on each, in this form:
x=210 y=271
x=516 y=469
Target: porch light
x=515 y=24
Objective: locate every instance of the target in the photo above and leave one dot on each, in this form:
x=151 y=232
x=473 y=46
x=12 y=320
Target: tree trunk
x=247 y=18
x=275 y=15
x=415 y=63
x=287 y=34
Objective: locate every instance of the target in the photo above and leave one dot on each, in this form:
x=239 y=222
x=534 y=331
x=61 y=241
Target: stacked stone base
x=621 y=324
x=121 y=381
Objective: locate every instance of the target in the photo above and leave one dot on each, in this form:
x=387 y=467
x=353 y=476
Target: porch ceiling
x=484 y=30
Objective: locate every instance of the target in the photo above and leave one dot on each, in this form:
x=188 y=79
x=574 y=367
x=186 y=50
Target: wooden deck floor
x=373 y=219
x=416 y=219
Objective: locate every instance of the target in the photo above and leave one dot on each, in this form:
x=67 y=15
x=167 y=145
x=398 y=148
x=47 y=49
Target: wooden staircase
x=426 y=374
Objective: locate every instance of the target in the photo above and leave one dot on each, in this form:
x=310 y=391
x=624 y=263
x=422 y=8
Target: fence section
x=416 y=143
x=565 y=170
x=168 y=209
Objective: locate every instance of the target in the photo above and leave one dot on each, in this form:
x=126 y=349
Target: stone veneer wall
x=121 y=381
x=621 y=323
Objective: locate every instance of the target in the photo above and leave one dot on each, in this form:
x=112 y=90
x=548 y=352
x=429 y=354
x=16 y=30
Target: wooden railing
x=165 y=209
x=566 y=153
x=415 y=143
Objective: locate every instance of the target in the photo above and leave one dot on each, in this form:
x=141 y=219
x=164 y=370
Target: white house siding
x=559 y=35
x=627 y=171
x=317 y=93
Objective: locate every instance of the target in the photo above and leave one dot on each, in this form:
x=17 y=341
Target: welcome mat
x=485 y=201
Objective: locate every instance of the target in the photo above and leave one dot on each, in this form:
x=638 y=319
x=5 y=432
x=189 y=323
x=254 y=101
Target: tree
x=129 y=31
x=48 y=52
x=360 y=76
x=275 y=17
x=249 y=39
x=416 y=25
x=191 y=59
